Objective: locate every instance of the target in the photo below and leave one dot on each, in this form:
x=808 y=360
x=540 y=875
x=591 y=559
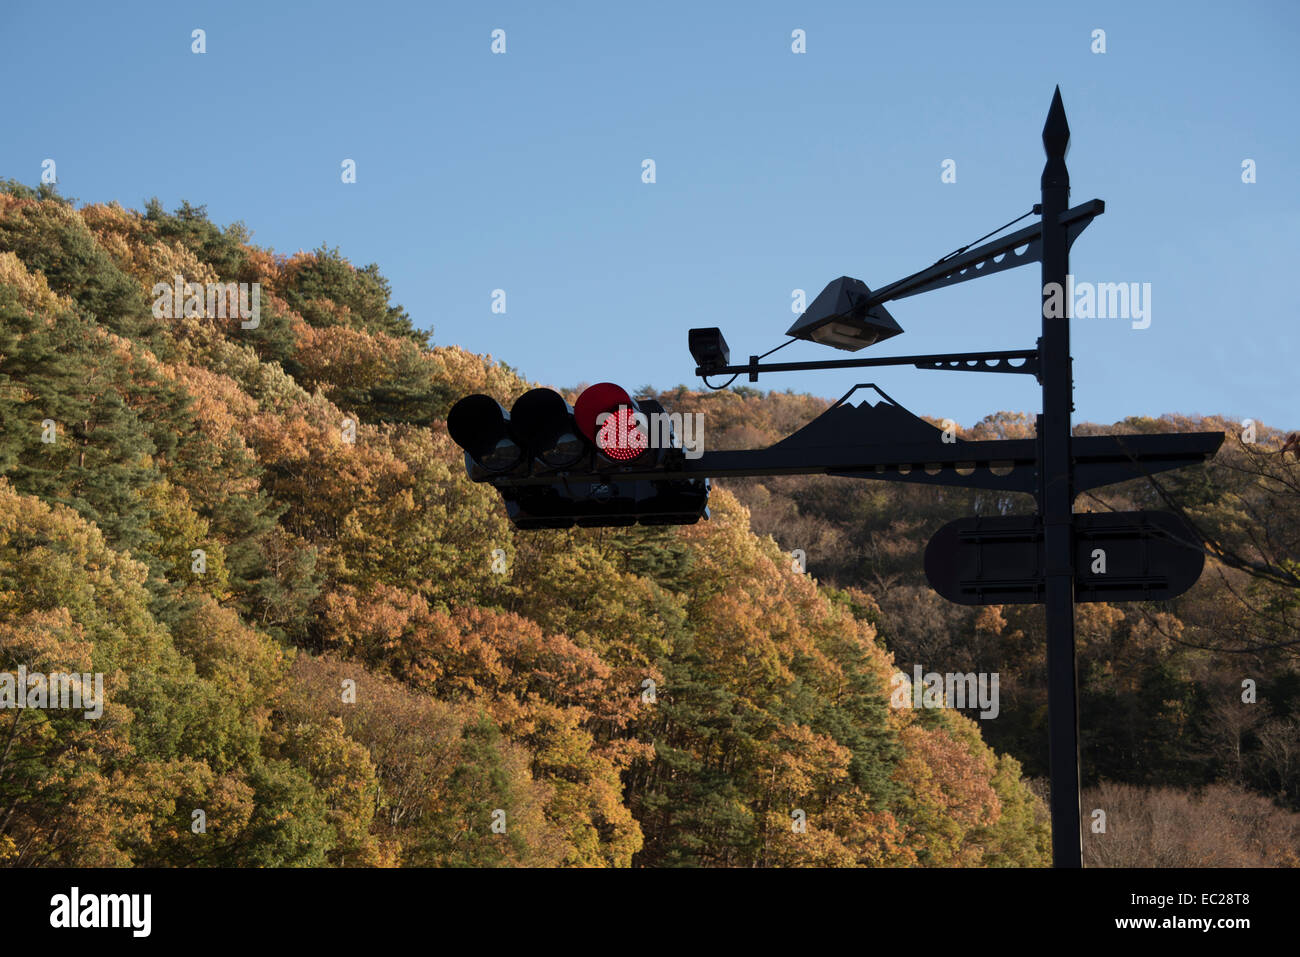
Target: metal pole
x=1056 y=501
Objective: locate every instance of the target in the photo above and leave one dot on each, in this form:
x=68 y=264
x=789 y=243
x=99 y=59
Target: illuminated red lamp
x=611 y=419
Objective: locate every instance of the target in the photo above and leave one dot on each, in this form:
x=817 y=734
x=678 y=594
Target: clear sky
x=775 y=171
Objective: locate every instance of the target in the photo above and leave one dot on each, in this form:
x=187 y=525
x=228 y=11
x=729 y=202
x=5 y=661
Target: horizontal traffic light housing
x=558 y=466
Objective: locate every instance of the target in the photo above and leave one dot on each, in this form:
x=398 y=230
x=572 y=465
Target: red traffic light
x=611 y=419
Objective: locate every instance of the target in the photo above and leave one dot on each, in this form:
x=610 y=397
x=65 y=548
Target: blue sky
x=775 y=171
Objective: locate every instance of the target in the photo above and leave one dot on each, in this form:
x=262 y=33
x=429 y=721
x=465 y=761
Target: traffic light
x=596 y=463
x=616 y=424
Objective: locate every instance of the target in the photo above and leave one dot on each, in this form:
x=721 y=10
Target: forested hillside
x=318 y=633
x=1165 y=730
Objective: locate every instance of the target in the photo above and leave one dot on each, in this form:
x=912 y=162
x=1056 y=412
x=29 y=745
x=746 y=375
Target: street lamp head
x=840 y=317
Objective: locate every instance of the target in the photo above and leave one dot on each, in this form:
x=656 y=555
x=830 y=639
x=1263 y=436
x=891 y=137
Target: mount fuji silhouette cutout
x=865 y=422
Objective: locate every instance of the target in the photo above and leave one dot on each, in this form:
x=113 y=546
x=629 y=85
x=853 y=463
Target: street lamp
x=842 y=316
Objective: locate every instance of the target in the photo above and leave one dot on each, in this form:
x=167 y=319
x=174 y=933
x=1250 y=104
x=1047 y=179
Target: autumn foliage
x=369 y=666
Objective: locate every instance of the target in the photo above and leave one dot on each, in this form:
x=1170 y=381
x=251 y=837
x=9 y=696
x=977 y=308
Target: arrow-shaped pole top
x=1056 y=131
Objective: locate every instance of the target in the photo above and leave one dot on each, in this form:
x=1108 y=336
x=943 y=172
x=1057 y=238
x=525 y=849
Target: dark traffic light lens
x=501 y=456
x=479 y=425
x=567 y=449
x=543 y=422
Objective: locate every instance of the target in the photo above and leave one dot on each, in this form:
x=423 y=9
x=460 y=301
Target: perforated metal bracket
x=1028 y=364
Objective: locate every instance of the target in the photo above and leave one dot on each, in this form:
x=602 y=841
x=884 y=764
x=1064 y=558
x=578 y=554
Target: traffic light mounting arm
x=949 y=361
x=882 y=440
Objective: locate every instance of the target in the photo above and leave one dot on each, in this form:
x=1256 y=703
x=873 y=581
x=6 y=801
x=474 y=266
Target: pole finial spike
x=1056 y=131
